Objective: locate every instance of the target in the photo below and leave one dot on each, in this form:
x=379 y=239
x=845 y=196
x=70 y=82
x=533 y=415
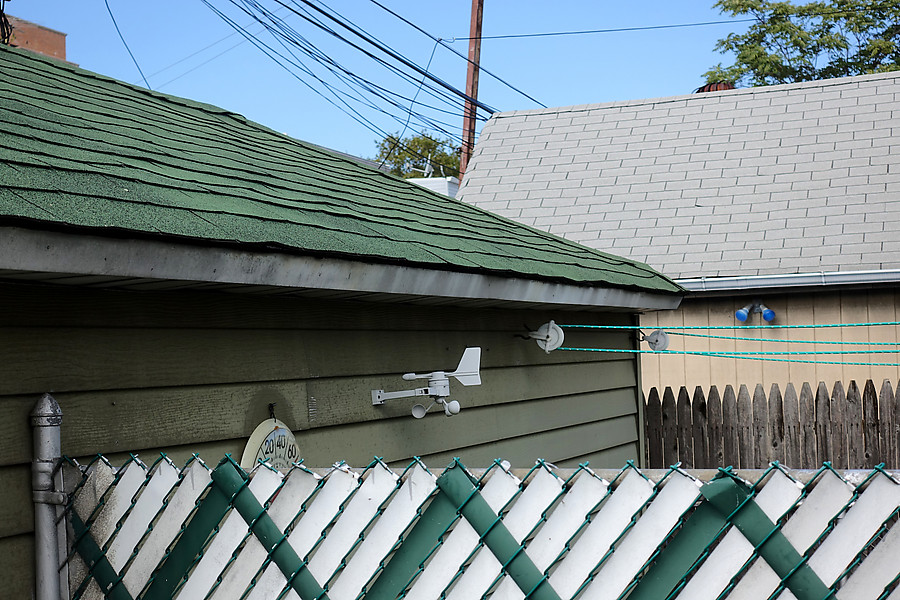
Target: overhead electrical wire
x=286 y=33
x=122 y=37
x=459 y=54
x=824 y=13
x=358 y=32
x=338 y=101
x=387 y=154
x=291 y=42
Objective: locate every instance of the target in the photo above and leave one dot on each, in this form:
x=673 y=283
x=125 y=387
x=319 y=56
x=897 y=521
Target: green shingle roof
x=80 y=150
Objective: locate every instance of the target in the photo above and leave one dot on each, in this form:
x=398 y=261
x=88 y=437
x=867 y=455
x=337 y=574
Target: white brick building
x=785 y=193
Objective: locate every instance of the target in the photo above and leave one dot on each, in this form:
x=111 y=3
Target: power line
x=615 y=30
x=406 y=125
x=122 y=37
x=459 y=54
x=273 y=55
x=387 y=50
x=824 y=13
x=287 y=33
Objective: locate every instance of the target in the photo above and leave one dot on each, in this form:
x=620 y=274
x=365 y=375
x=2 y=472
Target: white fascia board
x=57 y=252
x=821 y=279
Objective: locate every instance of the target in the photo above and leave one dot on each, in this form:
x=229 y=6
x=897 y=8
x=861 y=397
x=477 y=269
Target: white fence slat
x=484 y=566
x=263 y=483
x=167 y=527
x=323 y=507
x=525 y=514
x=379 y=483
x=118 y=501
x=855 y=528
x=148 y=505
x=384 y=534
x=461 y=541
x=296 y=489
x=100 y=476
x=824 y=502
x=613 y=517
x=778 y=495
x=879 y=568
x=566 y=518
x=678 y=494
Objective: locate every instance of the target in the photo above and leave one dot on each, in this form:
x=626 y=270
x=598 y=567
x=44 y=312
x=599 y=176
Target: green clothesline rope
x=690 y=327
x=749 y=355
x=746 y=339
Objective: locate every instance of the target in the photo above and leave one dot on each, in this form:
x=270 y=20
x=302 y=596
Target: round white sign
x=271 y=441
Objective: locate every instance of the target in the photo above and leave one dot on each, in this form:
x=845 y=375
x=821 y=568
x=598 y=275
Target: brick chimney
x=37 y=38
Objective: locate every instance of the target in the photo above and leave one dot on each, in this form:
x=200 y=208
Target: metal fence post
x=46 y=418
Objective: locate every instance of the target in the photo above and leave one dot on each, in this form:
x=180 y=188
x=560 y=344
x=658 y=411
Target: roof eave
x=106 y=259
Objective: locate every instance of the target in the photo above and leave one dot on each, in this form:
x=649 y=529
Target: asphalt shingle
x=79 y=150
x=814 y=161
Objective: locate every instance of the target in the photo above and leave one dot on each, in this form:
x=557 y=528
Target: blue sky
x=185 y=49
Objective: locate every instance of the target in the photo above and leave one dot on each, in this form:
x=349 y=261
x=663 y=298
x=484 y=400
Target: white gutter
x=820 y=279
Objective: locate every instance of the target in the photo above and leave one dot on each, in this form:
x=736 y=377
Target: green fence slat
x=496 y=537
x=681 y=553
x=727 y=496
x=102 y=572
x=230 y=478
x=416 y=547
x=206 y=517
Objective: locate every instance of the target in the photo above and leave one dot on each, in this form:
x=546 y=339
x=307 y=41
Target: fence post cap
x=46 y=412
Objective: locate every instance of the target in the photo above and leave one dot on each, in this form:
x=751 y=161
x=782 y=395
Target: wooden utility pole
x=468 y=135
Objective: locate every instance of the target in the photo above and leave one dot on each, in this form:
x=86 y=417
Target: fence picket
x=887 y=415
x=746 y=437
x=654 y=436
x=823 y=424
x=775 y=429
x=670 y=432
x=700 y=429
x=730 y=418
x=852 y=430
x=761 y=449
x=792 y=436
x=839 y=426
x=715 y=446
x=872 y=455
x=856 y=441
x=685 y=429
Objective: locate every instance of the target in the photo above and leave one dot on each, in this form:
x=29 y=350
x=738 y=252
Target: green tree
x=804 y=42
x=410 y=156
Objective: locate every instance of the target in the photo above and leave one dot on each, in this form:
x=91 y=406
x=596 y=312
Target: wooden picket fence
x=857 y=429
x=163 y=532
